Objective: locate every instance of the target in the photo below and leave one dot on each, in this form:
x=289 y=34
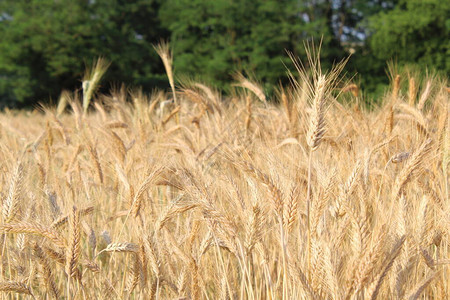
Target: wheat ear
x=252 y=86
x=74 y=248
x=248 y=117
x=291 y=213
x=425 y=94
x=396 y=87
x=367 y=266
x=37 y=229
x=195 y=279
x=165 y=54
x=411 y=165
x=417 y=291
x=136 y=274
x=94 y=155
x=391 y=258
x=412 y=91
x=275 y=192
x=91 y=81
x=63 y=220
x=46 y=271
x=316 y=128
x=18 y=287
x=298 y=273
x=254 y=228
x=11 y=205
x=121 y=247
x=137 y=201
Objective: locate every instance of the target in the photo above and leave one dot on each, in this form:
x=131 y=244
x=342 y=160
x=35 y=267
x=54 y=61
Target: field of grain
x=307 y=196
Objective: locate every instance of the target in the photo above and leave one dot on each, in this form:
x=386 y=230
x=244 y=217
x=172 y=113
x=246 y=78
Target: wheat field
x=194 y=195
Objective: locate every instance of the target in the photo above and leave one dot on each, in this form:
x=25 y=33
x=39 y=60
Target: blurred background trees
x=45 y=45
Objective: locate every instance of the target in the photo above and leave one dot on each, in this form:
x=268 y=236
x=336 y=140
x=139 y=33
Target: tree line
x=45 y=45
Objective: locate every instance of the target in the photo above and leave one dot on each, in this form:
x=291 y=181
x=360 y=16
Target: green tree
x=217 y=38
x=46 y=43
x=415 y=31
x=352 y=30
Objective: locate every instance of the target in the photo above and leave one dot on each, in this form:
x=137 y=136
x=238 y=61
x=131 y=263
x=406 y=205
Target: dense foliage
x=46 y=44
